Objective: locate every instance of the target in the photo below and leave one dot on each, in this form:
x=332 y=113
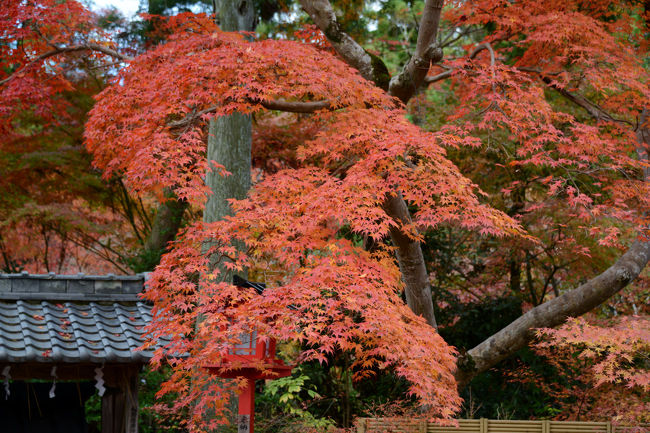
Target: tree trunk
x=229 y=144
x=411 y=262
x=165 y=226
x=235 y=15
x=229 y=137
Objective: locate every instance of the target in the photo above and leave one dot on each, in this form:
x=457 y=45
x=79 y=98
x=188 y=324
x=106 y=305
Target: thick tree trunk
x=229 y=137
x=229 y=144
x=235 y=15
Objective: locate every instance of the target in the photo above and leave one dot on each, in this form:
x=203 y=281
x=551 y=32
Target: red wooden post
x=274 y=369
x=246 y=418
x=253 y=358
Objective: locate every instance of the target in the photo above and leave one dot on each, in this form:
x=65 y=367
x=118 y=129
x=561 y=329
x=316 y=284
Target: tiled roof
x=78 y=287
x=71 y=319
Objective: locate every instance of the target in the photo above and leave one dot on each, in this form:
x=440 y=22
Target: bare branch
x=322 y=13
x=491 y=50
x=191 y=118
x=296 y=107
x=537 y=70
x=405 y=84
x=441 y=76
x=553 y=313
x=104 y=50
x=63 y=50
x=592 y=108
x=472 y=55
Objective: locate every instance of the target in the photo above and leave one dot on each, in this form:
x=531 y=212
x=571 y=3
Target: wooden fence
x=483 y=425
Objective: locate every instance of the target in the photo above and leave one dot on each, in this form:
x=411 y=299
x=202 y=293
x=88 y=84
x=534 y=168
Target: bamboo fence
x=483 y=425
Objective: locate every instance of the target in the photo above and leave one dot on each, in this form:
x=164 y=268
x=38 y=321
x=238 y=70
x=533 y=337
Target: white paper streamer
x=5 y=373
x=53 y=374
x=99 y=380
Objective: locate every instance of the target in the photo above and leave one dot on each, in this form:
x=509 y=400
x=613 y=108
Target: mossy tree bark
x=229 y=144
x=229 y=137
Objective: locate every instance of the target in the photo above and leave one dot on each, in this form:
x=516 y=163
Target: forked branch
x=323 y=15
x=406 y=83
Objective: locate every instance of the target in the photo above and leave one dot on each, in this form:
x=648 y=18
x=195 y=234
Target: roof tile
x=72 y=332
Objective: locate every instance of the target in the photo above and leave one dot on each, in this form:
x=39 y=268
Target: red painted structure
x=252 y=359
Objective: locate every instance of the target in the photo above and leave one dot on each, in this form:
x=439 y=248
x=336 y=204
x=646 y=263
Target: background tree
x=58 y=215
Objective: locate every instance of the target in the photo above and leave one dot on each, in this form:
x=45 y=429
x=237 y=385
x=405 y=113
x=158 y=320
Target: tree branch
x=472 y=55
x=592 y=108
x=553 y=313
x=63 y=50
x=573 y=303
x=410 y=260
x=278 y=104
x=405 y=84
x=323 y=15
x=167 y=222
x=297 y=106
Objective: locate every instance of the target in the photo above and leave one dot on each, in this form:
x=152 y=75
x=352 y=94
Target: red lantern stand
x=243 y=361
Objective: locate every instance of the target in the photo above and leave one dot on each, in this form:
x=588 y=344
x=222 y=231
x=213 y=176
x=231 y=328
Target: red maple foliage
x=568 y=176
x=598 y=365
x=329 y=294
x=57 y=216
